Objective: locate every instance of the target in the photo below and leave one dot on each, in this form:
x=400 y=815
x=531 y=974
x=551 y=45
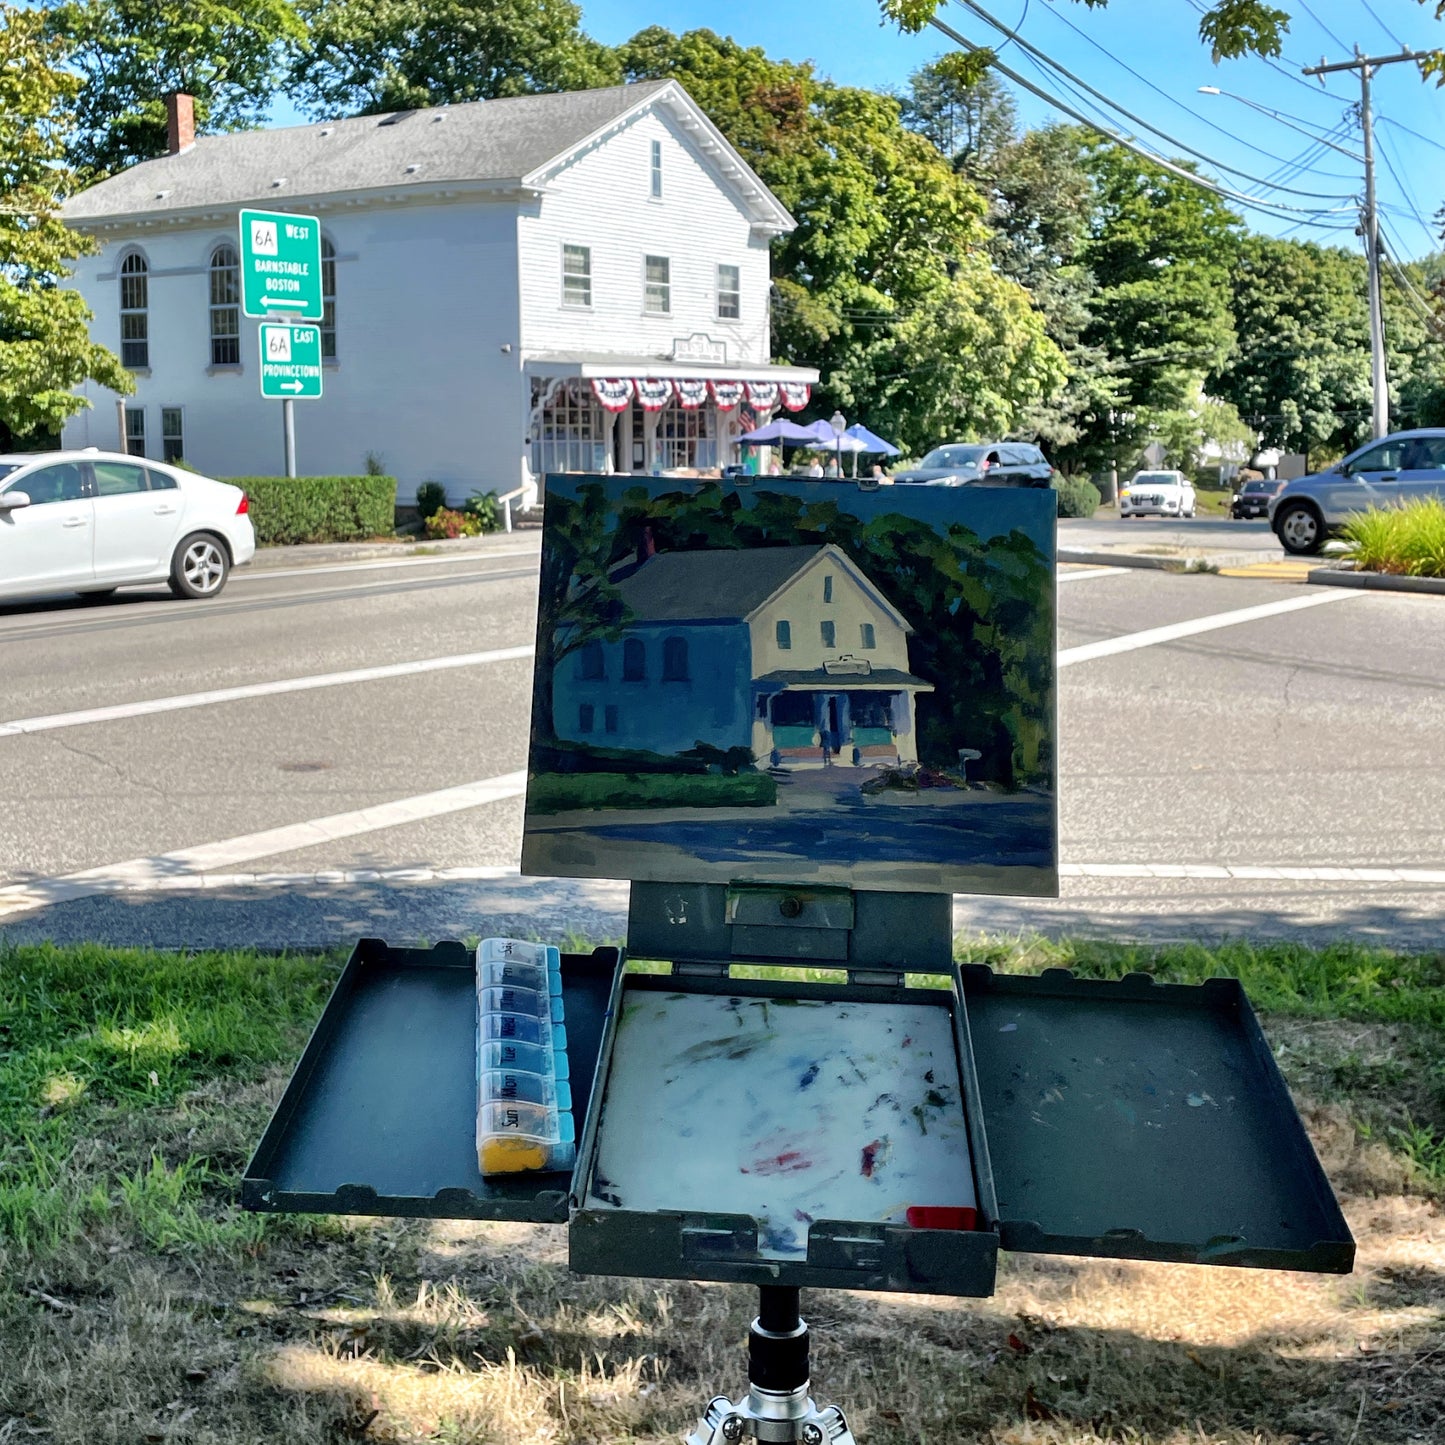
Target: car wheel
x=200 y=566
x=1299 y=529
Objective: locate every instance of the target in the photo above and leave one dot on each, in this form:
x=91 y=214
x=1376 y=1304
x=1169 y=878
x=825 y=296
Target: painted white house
x=572 y=282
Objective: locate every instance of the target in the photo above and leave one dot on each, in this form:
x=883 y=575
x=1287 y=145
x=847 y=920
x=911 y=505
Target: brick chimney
x=180 y=122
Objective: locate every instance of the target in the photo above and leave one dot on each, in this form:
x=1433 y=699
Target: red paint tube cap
x=930 y=1216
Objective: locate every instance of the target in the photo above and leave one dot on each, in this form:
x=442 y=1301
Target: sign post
x=281 y=278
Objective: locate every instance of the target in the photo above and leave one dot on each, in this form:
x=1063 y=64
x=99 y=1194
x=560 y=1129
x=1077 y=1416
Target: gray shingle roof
x=713 y=586
x=482 y=141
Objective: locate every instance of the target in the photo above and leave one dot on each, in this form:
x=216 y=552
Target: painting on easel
x=795 y=682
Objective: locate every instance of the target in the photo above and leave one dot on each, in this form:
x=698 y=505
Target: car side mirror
x=11 y=501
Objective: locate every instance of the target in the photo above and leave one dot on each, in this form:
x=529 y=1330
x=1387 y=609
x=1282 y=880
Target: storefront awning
x=602 y=366
x=876 y=679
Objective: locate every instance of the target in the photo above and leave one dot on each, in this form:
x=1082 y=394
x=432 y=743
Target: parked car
x=1157 y=494
x=92 y=521
x=980 y=464
x=1307 y=511
x=1252 y=499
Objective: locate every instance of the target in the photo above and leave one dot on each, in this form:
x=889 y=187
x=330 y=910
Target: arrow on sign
x=291 y=386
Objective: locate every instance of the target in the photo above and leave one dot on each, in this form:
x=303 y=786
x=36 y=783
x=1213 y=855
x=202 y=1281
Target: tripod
x=777 y=1407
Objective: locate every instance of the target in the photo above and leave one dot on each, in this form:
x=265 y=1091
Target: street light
x=838 y=422
x=1283 y=120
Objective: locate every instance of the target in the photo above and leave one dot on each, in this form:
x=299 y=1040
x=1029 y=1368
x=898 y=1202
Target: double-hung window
x=729 y=293
x=576 y=275
x=657 y=297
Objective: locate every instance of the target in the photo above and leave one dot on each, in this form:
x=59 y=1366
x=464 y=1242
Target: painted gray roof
x=482 y=141
x=717 y=586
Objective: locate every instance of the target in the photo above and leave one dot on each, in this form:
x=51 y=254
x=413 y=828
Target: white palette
x=786 y=1110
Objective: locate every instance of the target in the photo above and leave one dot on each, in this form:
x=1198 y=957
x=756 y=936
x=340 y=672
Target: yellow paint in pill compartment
x=511 y=1156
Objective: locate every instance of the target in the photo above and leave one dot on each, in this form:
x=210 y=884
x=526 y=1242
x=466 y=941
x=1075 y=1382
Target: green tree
x=130 y=53
x=45 y=345
x=1160 y=251
x=970 y=117
x=886 y=286
x=1300 y=371
x=363 y=57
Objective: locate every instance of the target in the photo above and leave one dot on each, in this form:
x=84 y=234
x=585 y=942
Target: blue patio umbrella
x=781 y=430
x=871 y=443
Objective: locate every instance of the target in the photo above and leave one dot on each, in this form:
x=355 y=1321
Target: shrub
x=320 y=509
x=485 y=507
x=447 y=523
x=562 y=793
x=1408 y=541
x=374 y=465
x=431 y=497
x=1078 y=497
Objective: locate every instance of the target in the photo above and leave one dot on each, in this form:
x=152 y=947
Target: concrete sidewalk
x=313 y=553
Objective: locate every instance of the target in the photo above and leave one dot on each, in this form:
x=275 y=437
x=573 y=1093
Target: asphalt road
x=1275 y=758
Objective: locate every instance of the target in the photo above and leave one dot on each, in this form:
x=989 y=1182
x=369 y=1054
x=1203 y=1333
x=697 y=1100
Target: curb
x=1194 y=562
x=1376 y=581
x=298 y=554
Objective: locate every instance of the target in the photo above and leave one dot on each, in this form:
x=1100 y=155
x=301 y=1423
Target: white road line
x=185 y=867
x=1271 y=873
x=1153 y=636
x=149 y=706
x=247 y=574
x=1091 y=572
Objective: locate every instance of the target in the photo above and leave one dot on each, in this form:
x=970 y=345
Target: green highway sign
x=280 y=264
x=290 y=360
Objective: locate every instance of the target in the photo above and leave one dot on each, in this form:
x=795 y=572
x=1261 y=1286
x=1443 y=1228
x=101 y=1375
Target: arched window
x=328 y=299
x=634 y=660
x=225 y=306
x=135 y=349
x=674 y=659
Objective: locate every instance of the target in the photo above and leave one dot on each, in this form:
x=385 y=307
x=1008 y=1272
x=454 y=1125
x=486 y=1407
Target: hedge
x=1078 y=497
x=320 y=509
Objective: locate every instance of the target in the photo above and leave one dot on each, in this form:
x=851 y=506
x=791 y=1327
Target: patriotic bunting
x=794 y=394
x=690 y=394
x=614 y=392
x=653 y=392
x=763 y=394
x=727 y=394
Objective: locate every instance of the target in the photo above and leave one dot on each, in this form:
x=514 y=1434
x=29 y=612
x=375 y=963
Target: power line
x=1374 y=15
x=1271 y=208
x=1417 y=134
x=1319 y=92
x=1305 y=7
x=1174 y=99
x=1082 y=84
x=1408 y=194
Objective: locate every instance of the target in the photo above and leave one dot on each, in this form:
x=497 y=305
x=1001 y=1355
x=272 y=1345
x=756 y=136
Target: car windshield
x=953 y=457
x=1157 y=479
x=6 y=468
x=1258 y=486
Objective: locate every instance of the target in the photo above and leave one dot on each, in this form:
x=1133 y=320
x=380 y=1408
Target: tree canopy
x=45 y=345
x=367 y=56
x=228 y=54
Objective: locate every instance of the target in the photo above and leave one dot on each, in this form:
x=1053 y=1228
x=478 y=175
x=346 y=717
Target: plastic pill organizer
x=524 y=1102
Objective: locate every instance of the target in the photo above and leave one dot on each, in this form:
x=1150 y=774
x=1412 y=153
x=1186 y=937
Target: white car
x=1157 y=494
x=92 y=521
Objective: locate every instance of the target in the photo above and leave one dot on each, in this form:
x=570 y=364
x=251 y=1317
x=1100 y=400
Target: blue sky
x=1159 y=39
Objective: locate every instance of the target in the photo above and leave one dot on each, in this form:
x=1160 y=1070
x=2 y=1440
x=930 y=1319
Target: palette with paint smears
x=788 y=1110
x=814 y=1134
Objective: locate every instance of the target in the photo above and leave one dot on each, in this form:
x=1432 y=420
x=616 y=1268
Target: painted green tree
x=45 y=345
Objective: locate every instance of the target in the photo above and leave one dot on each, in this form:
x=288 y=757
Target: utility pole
x=1367 y=65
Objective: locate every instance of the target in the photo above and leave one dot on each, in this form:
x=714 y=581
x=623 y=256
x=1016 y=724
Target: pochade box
x=798 y=718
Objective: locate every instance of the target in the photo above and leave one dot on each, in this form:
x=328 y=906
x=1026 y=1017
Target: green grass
x=564 y=792
x=137 y=1302
x=1408 y=541
x=89 y=1035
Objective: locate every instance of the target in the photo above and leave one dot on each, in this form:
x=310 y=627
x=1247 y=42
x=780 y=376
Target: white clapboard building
x=574 y=282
